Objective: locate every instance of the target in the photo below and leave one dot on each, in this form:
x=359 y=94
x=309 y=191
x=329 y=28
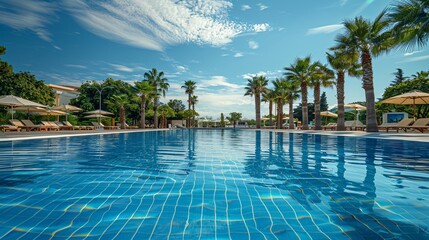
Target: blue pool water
x=213 y=184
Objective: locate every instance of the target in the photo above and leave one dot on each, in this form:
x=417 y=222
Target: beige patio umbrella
x=410 y=98
x=99 y=111
x=97 y=116
x=67 y=108
x=51 y=112
x=356 y=107
x=328 y=114
x=14 y=101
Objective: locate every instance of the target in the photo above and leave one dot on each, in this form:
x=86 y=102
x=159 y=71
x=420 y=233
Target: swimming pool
x=214 y=184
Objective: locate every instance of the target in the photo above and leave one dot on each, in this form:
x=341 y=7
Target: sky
x=218 y=44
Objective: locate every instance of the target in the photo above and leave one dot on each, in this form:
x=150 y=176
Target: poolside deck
x=8 y=136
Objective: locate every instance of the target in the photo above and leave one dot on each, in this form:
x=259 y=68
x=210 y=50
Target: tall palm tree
x=292 y=88
x=146 y=91
x=281 y=95
x=410 y=19
x=302 y=71
x=369 y=39
x=161 y=86
x=194 y=100
x=323 y=77
x=343 y=63
x=269 y=97
x=255 y=87
x=189 y=87
x=120 y=102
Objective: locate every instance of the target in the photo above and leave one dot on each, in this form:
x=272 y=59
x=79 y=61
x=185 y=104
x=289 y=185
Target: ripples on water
x=214 y=184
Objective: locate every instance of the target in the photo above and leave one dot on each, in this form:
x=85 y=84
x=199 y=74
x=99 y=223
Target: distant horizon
x=217 y=44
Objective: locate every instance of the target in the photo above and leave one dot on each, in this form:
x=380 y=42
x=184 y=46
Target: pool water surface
x=214 y=184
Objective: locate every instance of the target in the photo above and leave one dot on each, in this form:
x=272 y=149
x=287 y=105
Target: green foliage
x=222 y=120
x=5 y=68
x=323 y=102
x=297 y=112
x=399 y=77
x=234 y=117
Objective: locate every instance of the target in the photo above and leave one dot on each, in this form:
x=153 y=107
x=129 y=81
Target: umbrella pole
x=12 y=112
x=414 y=109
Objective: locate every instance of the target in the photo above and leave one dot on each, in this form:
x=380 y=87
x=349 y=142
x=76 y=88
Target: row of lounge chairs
x=27 y=125
x=420 y=125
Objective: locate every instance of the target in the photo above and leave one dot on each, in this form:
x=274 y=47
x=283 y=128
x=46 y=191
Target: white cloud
x=416 y=59
x=154 y=24
x=325 y=29
x=261 y=6
x=121 y=68
x=237 y=55
x=114 y=75
x=253 y=45
x=267 y=74
x=217 y=81
x=245 y=7
x=76 y=66
x=411 y=53
x=181 y=69
x=57 y=47
x=28 y=15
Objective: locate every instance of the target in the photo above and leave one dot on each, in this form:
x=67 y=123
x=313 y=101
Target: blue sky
x=216 y=43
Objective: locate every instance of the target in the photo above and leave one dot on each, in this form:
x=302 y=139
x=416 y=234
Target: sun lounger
x=330 y=126
x=50 y=126
x=400 y=125
x=30 y=127
x=67 y=123
x=62 y=126
x=100 y=125
x=354 y=125
x=420 y=125
x=9 y=128
x=29 y=123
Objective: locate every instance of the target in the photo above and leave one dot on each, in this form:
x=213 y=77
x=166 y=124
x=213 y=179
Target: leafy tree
x=302 y=71
x=222 y=120
x=322 y=77
x=343 y=62
x=270 y=97
x=323 y=102
x=161 y=85
x=178 y=107
x=369 y=39
x=410 y=19
x=292 y=88
x=297 y=112
x=189 y=87
x=5 y=68
x=165 y=112
x=255 y=87
x=147 y=92
x=234 y=117
x=281 y=92
x=421 y=75
x=120 y=102
x=399 y=77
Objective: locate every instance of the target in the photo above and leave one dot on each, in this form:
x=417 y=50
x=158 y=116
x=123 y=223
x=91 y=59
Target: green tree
x=322 y=77
x=399 y=77
x=194 y=100
x=234 y=117
x=281 y=92
x=410 y=20
x=292 y=89
x=302 y=71
x=120 y=102
x=255 y=87
x=222 y=120
x=343 y=62
x=178 y=107
x=161 y=85
x=5 y=68
x=147 y=92
x=369 y=39
x=323 y=102
x=165 y=112
x=269 y=97
x=189 y=87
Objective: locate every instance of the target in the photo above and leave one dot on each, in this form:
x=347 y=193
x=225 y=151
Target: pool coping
x=420 y=137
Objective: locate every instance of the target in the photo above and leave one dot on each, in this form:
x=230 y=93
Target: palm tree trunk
x=280 y=114
x=291 y=121
x=368 y=85
x=270 y=109
x=340 y=98
x=188 y=121
x=122 y=117
x=143 y=112
x=258 y=110
x=193 y=114
x=155 y=113
x=318 y=124
x=304 y=106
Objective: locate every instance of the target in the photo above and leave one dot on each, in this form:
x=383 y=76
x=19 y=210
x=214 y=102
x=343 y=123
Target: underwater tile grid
x=214 y=184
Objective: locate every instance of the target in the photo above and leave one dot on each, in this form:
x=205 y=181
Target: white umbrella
x=67 y=108
x=355 y=106
x=14 y=101
x=99 y=111
x=97 y=116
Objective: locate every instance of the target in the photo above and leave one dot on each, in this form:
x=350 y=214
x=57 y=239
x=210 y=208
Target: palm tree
x=269 y=97
x=160 y=83
x=292 y=88
x=281 y=94
x=343 y=63
x=194 y=100
x=165 y=111
x=369 y=39
x=410 y=19
x=323 y=77
x=255 y=87
x=189 y=87
x=302 y=71
x=146 y=91
x=234 y=117
x=120 y=102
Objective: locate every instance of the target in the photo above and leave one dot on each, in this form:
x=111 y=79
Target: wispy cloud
x=245 y=7
x=416 y=59
x=267 y=74
x=155 y=24
x=261 y=6
x=121 y=68
x=343 y=2
x=253 y=45
x=76 y=66
x=365 y=4
x=114 y=75
x=28 y=15
x=217 y=81
x=411 y=53
x=237 y=55
x=324 y=29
